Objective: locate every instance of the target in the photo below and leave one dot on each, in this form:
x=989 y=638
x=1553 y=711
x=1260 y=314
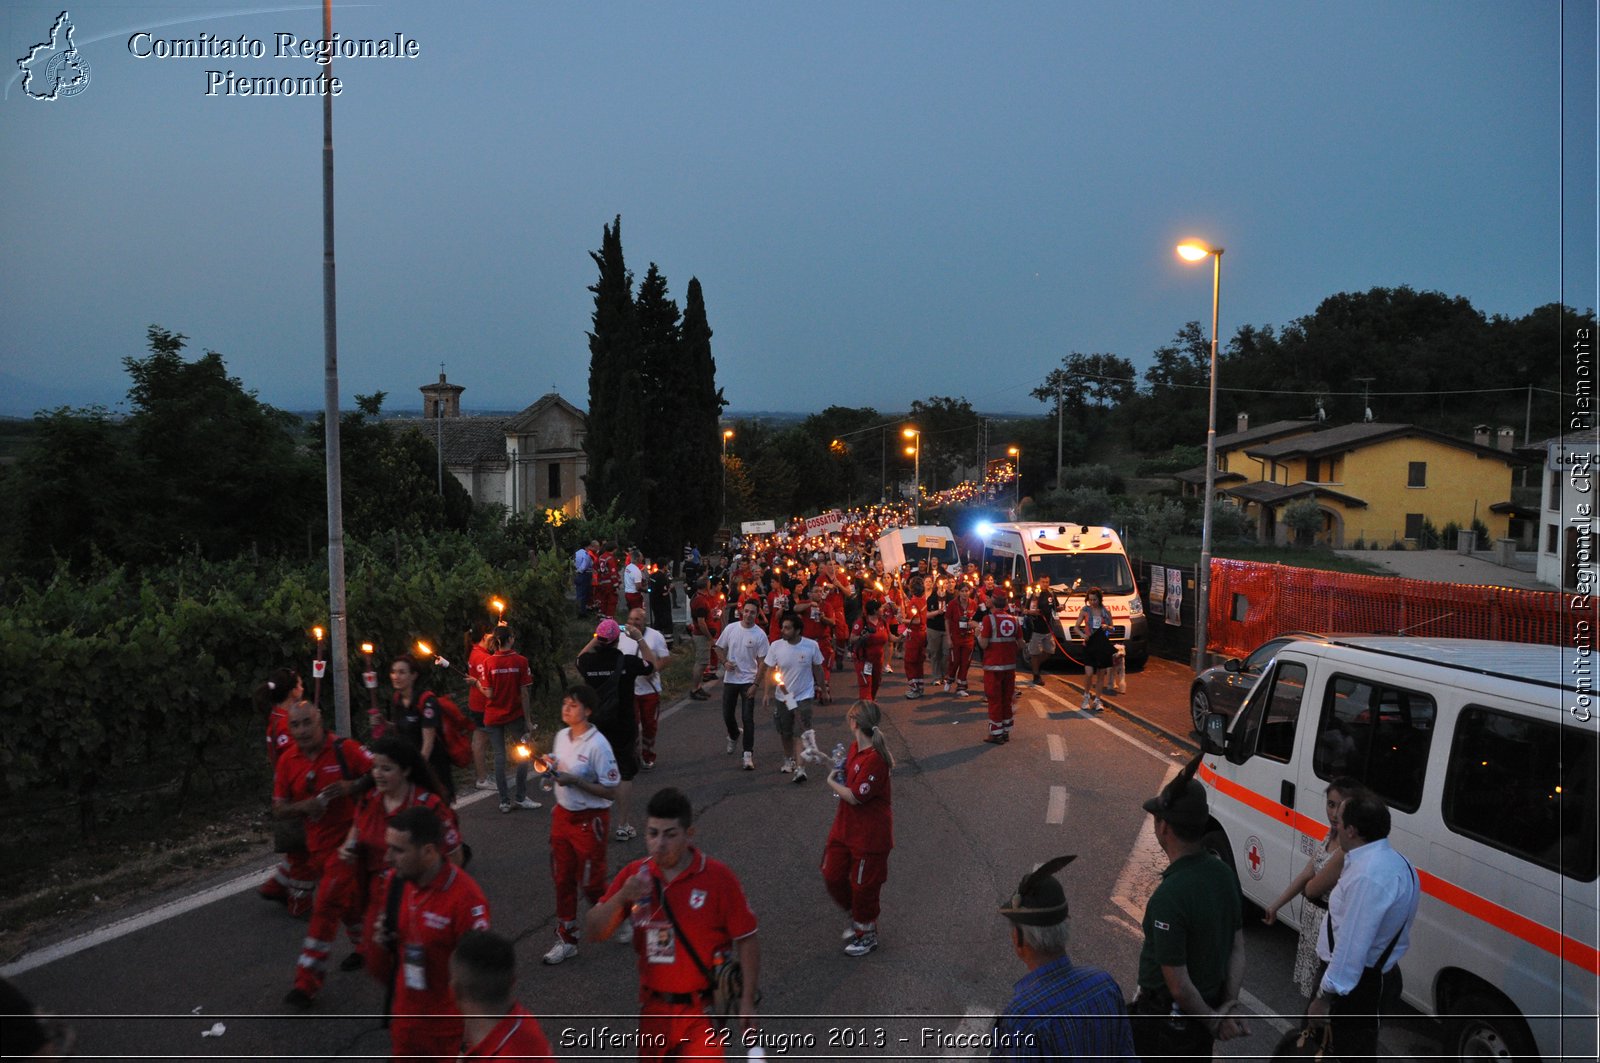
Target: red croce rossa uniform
x=1002 y=629
x=958 y=630
x=855 y=861
x=517 y=1036
x=710 y=905
x=432 y=918
x=508 y=674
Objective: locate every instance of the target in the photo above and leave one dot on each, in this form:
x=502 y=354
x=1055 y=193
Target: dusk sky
x=883 y=201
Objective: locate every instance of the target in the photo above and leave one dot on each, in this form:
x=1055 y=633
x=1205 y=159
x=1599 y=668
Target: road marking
x=162 y=912
x=1123 y=925
x=1259 y=1010
x=1057 y=744
x=1142 y=870
x=1056 y=812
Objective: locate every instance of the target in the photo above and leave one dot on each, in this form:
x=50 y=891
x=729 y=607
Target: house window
x=553 y=480
x=1313 y=470
x=1417 y=474
x=1552 y=538
x=1413 y=525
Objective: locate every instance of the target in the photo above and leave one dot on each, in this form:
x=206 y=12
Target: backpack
x=455 y=730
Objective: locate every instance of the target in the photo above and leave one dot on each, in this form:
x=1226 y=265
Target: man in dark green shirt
x=1192 y=962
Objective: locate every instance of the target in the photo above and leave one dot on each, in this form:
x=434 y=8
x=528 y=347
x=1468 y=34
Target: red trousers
x=648 y=707
x=293 y=881
x=867 y=685
x=999 y=687
x=676 y=1031
x=341 y=898
x=855 y=880
x=916 y=652
x=577 y=860
x=605 y=599
x=960 y=661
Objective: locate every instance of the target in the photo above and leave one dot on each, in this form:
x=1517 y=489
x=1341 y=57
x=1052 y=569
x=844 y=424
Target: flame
x=316 y=633
x=523 y=752
x=368 y=649
x=497 y=605
x=423 y=649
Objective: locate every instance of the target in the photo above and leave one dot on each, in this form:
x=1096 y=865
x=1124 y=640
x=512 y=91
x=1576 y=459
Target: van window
x=1378 y=733
x=1271 y=714
x=1521 y=786
x=1109 y=572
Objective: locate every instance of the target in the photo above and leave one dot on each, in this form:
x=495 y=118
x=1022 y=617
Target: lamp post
x=1195 y=251
x=1016 y=454
x=727 y=434
x=915 y=452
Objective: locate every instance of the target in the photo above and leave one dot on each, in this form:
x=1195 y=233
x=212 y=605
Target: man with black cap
x=1060 y=1010
x=1192 y=963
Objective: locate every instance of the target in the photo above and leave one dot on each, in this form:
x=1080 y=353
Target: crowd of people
x=371 y=842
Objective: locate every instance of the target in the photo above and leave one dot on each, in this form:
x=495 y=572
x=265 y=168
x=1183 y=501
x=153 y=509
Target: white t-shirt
x=796 y=661
x=632 y=577
x=743 y=649
x=657 y=644
x=590 y=759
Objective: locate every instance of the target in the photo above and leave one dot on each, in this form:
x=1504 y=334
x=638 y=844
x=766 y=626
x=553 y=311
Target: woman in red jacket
x=960 y=630
x=855 y=861
x=867 y=641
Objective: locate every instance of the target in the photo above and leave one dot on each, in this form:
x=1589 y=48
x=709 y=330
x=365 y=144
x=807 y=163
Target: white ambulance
x=1072 y=558
x=1485 y=753
x=934 y=543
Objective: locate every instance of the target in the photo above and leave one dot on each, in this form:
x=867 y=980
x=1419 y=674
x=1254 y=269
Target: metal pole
x=1203 y=577
x=916 y=488
x=883 y=473
x=1058 y=437
x=438 y=445
x=337 y=620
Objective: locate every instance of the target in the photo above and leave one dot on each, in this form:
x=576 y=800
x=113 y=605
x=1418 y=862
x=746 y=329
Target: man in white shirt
x=1367 y=931
x=646 y=692
x=798 y=675
x=742 y=646
x=633 y=582
x=586 y=780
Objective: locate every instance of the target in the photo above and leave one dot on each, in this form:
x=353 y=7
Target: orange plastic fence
x=1279 y=598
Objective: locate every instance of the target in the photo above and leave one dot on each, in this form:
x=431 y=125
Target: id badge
x=866 y=668
x=964 y=625
x=416 y=970
x=660 y=945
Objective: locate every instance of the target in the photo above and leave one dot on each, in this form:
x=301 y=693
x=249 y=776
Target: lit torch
x=318 y=667
x=499 y=608
x=369 y=679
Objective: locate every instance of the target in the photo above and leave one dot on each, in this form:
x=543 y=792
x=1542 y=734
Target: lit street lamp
x=915 y=451
x=1195 y=251
x=727 y=434
x=1016 y=468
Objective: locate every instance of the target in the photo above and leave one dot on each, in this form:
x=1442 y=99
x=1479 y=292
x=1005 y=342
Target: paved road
x=970 y=819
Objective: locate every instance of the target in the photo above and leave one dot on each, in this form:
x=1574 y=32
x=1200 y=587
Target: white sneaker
x=862 y=943
x=526 y=802
x=1087 y=701
x=749 y=762
x=505 y=806
x=800 y=773
x=733 y=746
x=560 y=952
x=1099 y=706
x=484 y=784
x=788 y=765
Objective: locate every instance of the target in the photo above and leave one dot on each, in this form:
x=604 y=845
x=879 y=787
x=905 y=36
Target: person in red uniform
x=505 y=693
x=294 y=879
x=833 y=606
x=868 y=639
x=958 y=629
x=483 y=972
x=709 y=921
x=478 y=704
x=586 y=779
x=1003 y=639
x=916 y=636
x=317 y=779
x=817 y=623
x=436 y=903
x=705 y=624
x=401 y=779
x=855 y=861
x=605 y=582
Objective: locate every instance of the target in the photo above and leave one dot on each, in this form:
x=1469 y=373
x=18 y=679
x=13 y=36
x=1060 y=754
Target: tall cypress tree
x=663 y=383
x=613 y=348
x=698 y=455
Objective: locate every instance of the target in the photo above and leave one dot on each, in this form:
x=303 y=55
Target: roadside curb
x=1186 y=741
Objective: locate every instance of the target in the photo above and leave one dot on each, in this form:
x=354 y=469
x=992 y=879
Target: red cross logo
x=1253 y=856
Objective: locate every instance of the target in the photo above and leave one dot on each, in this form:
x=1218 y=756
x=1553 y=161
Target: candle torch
x=369 y=679
x=318 y=667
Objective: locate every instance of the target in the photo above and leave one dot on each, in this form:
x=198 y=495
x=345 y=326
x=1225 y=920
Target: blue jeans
x=497 y=743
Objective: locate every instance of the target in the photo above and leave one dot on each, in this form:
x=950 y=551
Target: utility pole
x=337 y=620
x=1058 y=436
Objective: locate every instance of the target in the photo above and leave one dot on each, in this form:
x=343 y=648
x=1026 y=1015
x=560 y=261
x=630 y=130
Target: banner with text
x=825 y=523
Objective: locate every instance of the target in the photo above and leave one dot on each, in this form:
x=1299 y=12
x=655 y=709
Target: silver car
x=1222 y=688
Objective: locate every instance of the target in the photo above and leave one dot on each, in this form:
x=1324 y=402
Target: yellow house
x=1234 y=466
x=1378 y=483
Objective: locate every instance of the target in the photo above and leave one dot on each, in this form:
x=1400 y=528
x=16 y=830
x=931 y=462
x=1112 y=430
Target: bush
x=1428 y=538
x=1080 y=505
x=1359 y=544
x=1398 y=544
x=1175 y=460
x=1304 y=518
x=1095 y=476
x=1150 y=522
x=1481 y=530
x=1230 y=523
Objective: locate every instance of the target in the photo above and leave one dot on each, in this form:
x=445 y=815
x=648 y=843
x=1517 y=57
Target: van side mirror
x=1214 y=739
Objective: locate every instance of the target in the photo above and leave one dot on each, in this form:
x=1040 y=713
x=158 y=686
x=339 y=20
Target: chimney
x=1244 y=423
x=1480 y=435
x=1508 y=438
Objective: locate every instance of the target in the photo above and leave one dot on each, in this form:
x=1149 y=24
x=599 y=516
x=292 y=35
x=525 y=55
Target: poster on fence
x=1158 y=588
x=1174 y=600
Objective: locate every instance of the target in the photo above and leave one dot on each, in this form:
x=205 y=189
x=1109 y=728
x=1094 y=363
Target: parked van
x=931 y=542
x=1485 y=753
x=1072 y=558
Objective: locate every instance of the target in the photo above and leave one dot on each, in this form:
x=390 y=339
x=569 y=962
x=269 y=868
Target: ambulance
x=922 y=542
x=1485 y=753
x=1072 y=558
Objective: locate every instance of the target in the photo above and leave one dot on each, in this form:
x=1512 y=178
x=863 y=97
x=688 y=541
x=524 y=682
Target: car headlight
x=1135 y=606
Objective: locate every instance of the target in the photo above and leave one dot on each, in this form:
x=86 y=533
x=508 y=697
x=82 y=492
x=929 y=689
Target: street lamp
x=727 y=434
x=1196 y=251
x=1016 y=468
x=915 y=451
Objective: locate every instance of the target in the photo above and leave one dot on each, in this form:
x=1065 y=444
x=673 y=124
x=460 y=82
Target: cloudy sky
x=883 y=200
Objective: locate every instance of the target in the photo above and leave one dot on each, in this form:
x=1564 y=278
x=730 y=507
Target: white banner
x=757 y=527
x=825 y=523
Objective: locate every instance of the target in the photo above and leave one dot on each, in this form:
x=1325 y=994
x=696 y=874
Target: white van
x=1072 y=558
x=1485 y=753
x=934 y=543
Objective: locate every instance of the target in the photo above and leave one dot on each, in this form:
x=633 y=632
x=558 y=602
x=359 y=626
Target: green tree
x=949 y=436
x=1304 y=518
x=696 y=450
x=1151 y=522
x=611 y=441
x=71 y=491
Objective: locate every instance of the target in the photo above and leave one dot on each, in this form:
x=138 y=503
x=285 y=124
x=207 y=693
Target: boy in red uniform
x=1002 y=638
x=688 y=913
x=316 y=779
x=916 y=637
x=505 y=692
x=586 y=776
x=437 y=904
x=483 y=971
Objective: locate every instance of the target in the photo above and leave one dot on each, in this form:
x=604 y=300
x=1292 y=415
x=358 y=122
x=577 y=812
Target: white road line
x=1056 y=811
x=161 y=912
x=1142 y=870
x=1123 y=925
x=1132 y=741
x=1057 y=744
x=1258 y=1010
